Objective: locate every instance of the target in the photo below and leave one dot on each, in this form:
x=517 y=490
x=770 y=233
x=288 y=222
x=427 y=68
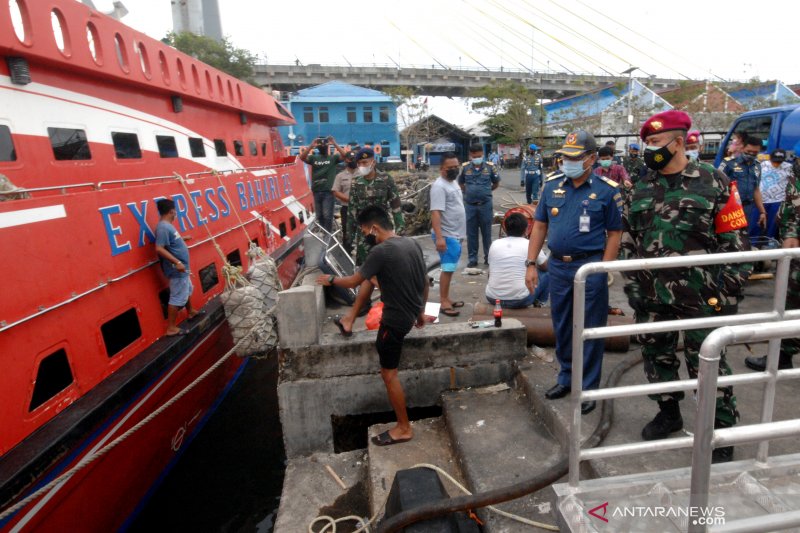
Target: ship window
x=166 y=146
x=293 y=222
x=144 y=61
x=19 y=20
x=126 y=145
x=181 y=73
x=69 y=144
x=196 y=79
x=162 y=61
x=53 y=376
x=60 y=32
x=308 y=114
x=263 y=147
x=282 y=228
x=196 y=147
x=323 y=114
x=121 y=331
x=351 y=114
x=93 y=40
x=238 y=147
x=221 y=88
x=253 y=148
x=384 y=114
x=219 y=146
x=7 y=151
x=209 y=277
x=209 y=84
x=234 y=258
x=122 y=54
x=230 y=91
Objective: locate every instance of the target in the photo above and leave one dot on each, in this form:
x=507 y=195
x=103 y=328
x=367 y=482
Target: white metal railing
x=581 y=334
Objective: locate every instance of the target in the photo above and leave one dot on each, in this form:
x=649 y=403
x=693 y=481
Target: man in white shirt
x=448 y=226
x=507 y=266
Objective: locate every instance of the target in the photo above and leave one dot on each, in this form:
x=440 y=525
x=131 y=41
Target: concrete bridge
x=438 y=81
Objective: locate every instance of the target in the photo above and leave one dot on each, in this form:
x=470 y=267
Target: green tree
x=412 y=113
x=224 y=56
x=512 y=111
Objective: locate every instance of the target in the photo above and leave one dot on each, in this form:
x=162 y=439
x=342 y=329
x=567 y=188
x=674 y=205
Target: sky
x=732 y=40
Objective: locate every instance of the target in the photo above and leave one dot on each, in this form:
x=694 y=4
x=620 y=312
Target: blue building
x=353 y=115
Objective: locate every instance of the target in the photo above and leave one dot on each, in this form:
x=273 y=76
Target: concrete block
x=434 y=346
x=306 y=405
x=499 y=441
x=300 y=313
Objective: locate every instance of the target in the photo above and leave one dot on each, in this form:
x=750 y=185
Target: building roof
x=438 y=126
x=774 y=92
x=339 y=91
x=702 y=96
x=595 y=102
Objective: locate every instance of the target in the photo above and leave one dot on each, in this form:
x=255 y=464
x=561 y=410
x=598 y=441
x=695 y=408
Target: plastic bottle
x=498 y=314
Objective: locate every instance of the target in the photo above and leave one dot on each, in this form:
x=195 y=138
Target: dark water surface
x=230 y=477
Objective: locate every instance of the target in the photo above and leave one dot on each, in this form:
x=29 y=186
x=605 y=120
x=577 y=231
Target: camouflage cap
x=577 y=143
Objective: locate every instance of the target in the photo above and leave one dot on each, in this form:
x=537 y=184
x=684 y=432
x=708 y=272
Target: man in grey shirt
x=449 y=227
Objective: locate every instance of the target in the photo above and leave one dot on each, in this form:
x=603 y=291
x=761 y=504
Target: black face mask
x=747 y=158
x=352 y=164
x=634 y=156
x=451 y=174
x=371 y=240
x=658 y=159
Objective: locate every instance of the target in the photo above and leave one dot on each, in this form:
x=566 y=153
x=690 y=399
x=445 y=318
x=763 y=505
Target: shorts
x=389 y=345
x=449 y=258
x=180 y=289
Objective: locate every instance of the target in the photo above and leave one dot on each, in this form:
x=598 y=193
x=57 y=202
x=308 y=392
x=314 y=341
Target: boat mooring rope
x=90 y=458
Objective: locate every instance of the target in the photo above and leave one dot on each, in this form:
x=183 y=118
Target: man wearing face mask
x=323 y=173
x=579 y=213
x=341 y=191
x=449 y=227
x=693 y=146
x=632 y=163
x=371 y=188
x=745 y=170
x=679 y=208
x=608 y=168
x=531 y=174
x=478 y=179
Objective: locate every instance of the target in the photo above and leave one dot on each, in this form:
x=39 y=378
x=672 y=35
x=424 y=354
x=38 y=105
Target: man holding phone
x=323 y=173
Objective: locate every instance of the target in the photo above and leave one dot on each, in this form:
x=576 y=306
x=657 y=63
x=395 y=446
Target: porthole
x=162 y=62
x=221 y=88
x=181 y=74
x=60 y=33
x=209 y=84
x=93 y=40
x=144 y=60
x=122 y=54
x=230 y=91
x=239 y=93
x=20 y=20
x=196 y=78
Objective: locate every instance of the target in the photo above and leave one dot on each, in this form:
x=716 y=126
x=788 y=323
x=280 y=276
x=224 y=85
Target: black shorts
x=389 y=345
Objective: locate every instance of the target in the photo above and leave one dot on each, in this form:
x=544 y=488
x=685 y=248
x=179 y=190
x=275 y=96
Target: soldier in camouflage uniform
x=632 y=163
x=371 y=188
x=674 y=210
x=789 y=229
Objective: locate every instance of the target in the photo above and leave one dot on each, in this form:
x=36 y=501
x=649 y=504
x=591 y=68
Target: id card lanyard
x=584 y=219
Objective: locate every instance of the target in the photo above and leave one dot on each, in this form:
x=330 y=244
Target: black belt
x=745 y=203
x=575 y=257
x=477 y=203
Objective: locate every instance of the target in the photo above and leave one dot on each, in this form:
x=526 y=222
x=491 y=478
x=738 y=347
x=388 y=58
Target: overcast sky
x=736 y=39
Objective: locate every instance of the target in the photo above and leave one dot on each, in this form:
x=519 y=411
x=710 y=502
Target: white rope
x=330 y=522
x=88 y=459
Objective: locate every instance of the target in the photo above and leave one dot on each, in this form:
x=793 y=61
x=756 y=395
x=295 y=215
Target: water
x=230 y=477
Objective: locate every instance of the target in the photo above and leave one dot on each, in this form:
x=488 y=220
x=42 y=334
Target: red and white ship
x=96 y=121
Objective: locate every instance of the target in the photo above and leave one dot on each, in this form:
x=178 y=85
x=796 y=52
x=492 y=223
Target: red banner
x=731 y=217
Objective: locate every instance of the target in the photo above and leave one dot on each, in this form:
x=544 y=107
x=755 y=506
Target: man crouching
x=399 y=268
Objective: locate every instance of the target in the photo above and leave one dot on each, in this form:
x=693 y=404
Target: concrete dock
x=496 y=427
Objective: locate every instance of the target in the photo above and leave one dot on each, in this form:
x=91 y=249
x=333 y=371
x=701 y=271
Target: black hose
x=523 y=488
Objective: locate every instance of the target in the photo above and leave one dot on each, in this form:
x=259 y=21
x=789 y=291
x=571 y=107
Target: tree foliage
x=512 y=111
x=237 y=62
x=411 y=112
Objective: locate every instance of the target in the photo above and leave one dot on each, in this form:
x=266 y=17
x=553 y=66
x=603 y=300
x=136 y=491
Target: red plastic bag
x=373 y=319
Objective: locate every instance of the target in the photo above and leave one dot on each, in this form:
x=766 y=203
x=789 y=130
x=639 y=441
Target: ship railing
x=739 y=329
x=62 y=188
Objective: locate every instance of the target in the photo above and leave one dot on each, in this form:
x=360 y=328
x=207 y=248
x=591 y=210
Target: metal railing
x=581 y=334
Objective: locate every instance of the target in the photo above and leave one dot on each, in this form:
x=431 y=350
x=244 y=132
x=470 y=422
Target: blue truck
x=780 y=126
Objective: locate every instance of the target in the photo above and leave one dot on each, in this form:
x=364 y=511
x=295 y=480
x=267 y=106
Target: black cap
x=577 y=143
x=365 y=153
x=778 y=155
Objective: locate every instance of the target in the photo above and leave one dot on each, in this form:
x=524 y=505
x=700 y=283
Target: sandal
x=338 y=321
x=385 y=439
x=449 y=311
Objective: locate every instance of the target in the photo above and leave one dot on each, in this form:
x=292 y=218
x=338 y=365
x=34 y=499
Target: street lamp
x=629 y=72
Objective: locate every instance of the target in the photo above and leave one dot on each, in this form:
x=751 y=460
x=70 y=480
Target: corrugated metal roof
x=339 y=91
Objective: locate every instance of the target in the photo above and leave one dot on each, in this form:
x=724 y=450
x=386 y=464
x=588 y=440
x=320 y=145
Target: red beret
x=666 y=121
x=693 y=137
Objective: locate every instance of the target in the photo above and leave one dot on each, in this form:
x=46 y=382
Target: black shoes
x=668 y=420
x=588 y=407
x=472 y=264
x=722 y=455
x=557 y=391
x=759 y=364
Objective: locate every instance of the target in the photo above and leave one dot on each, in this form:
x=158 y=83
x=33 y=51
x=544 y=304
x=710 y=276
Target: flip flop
x=181 y=332
x=449 y=311
x=459 y=303
x=338 y=321
x=385 y=439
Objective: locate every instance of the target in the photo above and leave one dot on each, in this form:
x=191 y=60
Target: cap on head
x=365 y=153
x=778 y=155
x=577 y=143
x=533 y=147
x=693 y=137
x=633 y=146
x=350 y=156
x=665 y=121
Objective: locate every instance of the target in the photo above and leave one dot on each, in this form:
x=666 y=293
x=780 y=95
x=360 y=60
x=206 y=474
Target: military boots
x=668 y=420
x=760 y=363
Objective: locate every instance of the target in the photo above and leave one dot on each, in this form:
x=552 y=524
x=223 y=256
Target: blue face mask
x=477 y=161
x=605 y=163
x=572 y=169
x=693 y=155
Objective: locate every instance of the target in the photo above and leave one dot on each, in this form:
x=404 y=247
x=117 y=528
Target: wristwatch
x=530 y=262
x=330 y=279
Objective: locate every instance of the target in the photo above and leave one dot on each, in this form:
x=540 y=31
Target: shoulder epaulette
x=490 y=163
x=465 y=163
x=609 y=181
x=554 y=177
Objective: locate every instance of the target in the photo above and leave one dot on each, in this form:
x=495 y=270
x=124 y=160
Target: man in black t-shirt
x=397 y=265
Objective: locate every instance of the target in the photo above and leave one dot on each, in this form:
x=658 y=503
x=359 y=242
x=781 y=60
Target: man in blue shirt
x=531 y=174
x=478 y=179
x=580 y=214
x=745 y=170
x=174 y=254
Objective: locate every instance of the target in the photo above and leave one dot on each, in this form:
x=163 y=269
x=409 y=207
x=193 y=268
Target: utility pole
x=629 y=72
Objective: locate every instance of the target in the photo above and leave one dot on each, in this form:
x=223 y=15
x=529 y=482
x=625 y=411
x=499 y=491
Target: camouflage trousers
x=661 y=363
x=792 y=346
x=362 y=248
